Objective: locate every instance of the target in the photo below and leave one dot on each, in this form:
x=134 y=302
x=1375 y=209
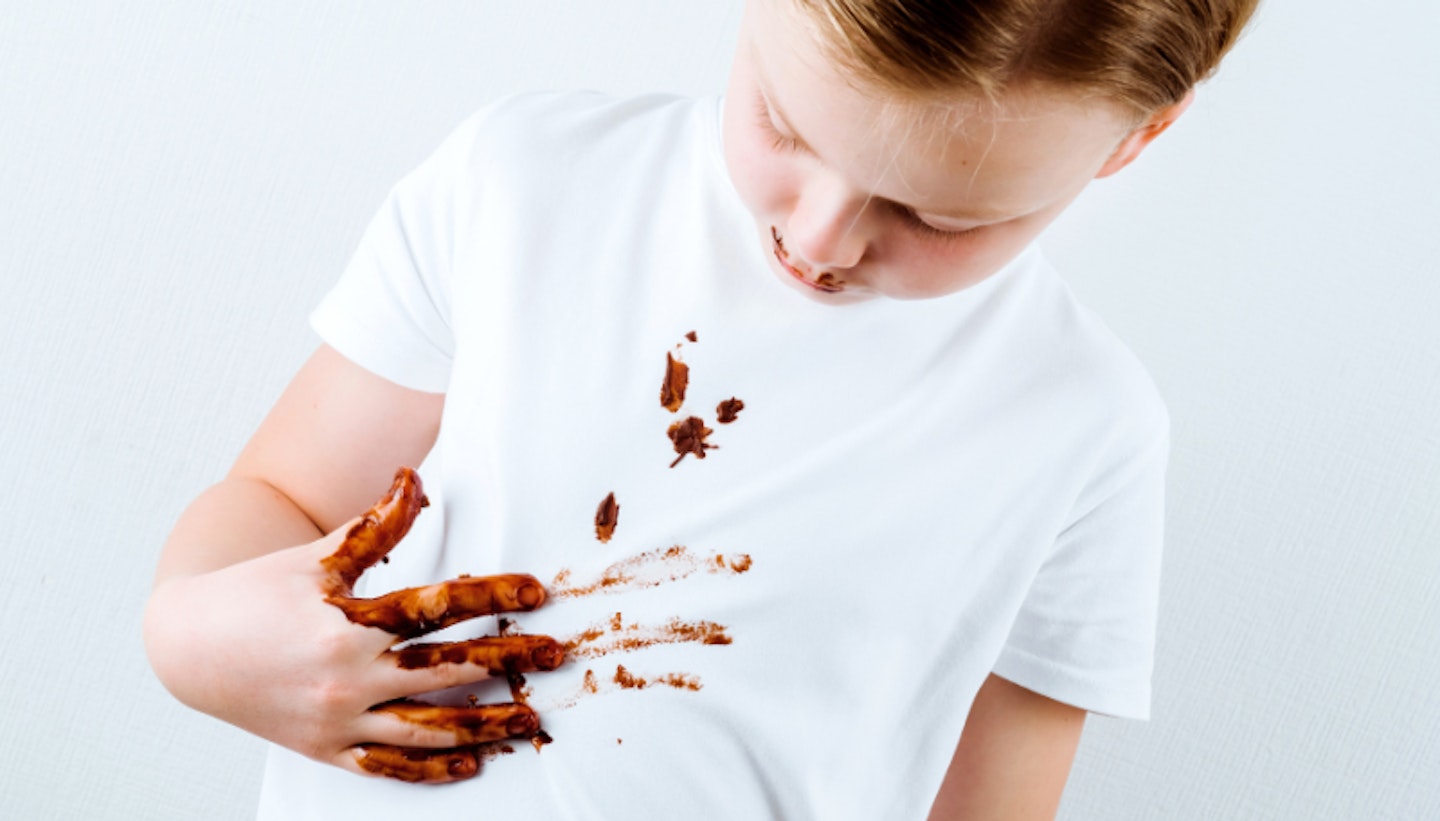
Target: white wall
x=181 y=179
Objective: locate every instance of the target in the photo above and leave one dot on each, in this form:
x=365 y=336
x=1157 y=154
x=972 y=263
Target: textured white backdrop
x=181 y=179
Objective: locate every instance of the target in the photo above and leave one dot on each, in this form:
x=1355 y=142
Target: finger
x=413 y=765
x=378 y=531
x=497 y=654
x=418 y=610
x=415 y=725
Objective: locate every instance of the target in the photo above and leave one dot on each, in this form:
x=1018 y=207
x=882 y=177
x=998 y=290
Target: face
x=858 y=196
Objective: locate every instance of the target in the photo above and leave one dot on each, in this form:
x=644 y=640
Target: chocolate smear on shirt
x=649 y=569
x=692 y=337
x=727 y=411
x=614 y=636
x=672 y=389
x=623 y=679
x=688 y=436
x=680 y=681
x=606 y=517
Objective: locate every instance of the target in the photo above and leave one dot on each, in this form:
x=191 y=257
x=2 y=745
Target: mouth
x=826 y=282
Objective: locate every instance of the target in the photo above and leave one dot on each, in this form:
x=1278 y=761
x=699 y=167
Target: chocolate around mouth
x=826 y=282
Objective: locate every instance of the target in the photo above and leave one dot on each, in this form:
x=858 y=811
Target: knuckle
x=333 y=646
x=332 y=697
x=415 y=735
x=448 y=675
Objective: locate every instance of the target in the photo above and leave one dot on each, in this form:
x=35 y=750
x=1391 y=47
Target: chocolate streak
x=614 y=636
x=648 y=569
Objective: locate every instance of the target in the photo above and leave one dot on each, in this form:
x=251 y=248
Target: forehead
x=960 y=153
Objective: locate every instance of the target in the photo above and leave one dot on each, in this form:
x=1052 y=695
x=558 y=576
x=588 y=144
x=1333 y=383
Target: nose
x=826 y=228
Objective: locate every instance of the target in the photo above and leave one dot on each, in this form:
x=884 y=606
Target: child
x=892 y=530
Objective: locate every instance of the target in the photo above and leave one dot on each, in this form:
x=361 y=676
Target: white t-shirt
x=915 y=494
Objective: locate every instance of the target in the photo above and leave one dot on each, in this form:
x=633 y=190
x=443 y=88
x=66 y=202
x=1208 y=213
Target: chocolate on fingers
x=418 y=610
x=417 y=766
x=376 y=534
x=470 y=725
x=498 y=654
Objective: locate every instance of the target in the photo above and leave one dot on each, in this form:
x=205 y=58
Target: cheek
x=931 y=271
x=764 y=180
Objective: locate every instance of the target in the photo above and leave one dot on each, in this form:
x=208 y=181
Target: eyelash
x=919 y=226
x=780 y=142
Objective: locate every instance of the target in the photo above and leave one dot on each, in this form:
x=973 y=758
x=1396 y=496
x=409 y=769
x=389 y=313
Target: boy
x=922 y=546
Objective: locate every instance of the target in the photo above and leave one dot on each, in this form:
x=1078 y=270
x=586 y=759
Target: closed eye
x=913 y=222
x=778 y=141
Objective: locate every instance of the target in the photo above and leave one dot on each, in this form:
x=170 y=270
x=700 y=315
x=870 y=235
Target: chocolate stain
x=680 y=681
x=648 y=569
x=613 y=636
x=727 y=411
x=623 y=679
x=692 y=337
x=606 y=517
x=688 y=436
x=672 y=389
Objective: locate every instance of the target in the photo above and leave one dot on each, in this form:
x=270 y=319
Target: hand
x=278 y=646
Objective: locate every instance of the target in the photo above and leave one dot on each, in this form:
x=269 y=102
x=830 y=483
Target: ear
x=1145 y=134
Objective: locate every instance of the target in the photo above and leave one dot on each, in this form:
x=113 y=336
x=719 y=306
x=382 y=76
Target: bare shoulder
x=1013 y=758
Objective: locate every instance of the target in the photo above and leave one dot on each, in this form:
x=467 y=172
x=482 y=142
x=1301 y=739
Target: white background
x=180 y=180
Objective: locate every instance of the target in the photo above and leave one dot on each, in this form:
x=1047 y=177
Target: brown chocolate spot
x=692 y=337
x=606 y=517
x=688 y=436
x=672 y=389
x=519 y=693
x=540 y=739
x=727 y=411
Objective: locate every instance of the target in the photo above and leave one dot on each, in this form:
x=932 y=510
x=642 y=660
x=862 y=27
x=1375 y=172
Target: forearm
x=235 y=520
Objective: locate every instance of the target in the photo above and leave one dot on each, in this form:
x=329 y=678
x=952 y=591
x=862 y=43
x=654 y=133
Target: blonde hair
x=1144 y=54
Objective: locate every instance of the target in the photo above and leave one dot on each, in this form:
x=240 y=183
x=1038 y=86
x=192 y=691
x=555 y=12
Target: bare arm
x=1013 y=758
x=326 y=450
x=252 y=619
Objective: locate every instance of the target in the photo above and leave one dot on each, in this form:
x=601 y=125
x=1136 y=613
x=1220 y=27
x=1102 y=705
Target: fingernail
x=530 y=595
x=463 y=766
x=547 y=656
x=522 y=724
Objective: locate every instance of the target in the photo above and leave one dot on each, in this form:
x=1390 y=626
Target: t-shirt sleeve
x=390 y=310
x=1085 y=634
